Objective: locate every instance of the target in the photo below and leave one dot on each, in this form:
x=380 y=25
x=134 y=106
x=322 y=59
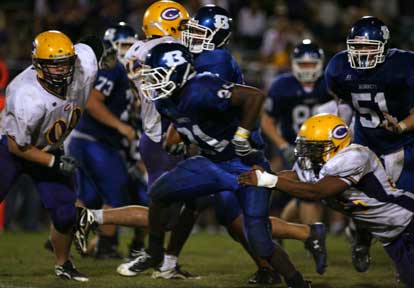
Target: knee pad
x=63 y=217
x=259 y=235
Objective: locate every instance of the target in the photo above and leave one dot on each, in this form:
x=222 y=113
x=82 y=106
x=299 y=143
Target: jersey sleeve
x=330 y=77
x=273 y=102
x=348 y=165
x=86 y=63
x=21 y=117
x=220 y=64
x=216 y=93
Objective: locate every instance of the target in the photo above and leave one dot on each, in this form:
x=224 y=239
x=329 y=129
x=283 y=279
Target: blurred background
x=264 y=35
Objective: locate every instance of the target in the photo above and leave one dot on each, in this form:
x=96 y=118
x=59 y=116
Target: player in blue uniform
x=378 y=83
x=96 y=141
x=217 y=116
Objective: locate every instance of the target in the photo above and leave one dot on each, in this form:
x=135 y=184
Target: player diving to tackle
x=350 y=179
x=44 y=104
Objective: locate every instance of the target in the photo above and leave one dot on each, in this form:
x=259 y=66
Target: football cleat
x=361 y=258
x=68 y=271
x=315 y=244
x=85 y=222
x=137 y=265
x=173 y=273
x=360 y=242
x=265 y=276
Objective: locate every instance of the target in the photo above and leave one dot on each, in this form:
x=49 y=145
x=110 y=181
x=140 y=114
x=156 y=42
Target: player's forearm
x=299 y=189
x=271 y=131
x=102 y=114
x=30 y=153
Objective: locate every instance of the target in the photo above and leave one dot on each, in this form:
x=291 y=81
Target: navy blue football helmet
x=209 y=29
x=307 y=61
x=121 y=36
x=367 y=43
x=167 y=67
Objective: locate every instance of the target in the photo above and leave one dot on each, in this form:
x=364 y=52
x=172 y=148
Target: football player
x=96 y=141
x=378 y=83
x=43 y=105
x=351 y=179
x=217 y=116
x=365 y=76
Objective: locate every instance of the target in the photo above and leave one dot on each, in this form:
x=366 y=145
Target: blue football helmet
x=209 y=29
x=167 y=67
x=307 y=61
x=367 y=43
x=121 y=36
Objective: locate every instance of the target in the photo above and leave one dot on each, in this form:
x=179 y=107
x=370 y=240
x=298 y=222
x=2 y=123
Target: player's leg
x=254 y=203
x=108 y=171
x=10 y=167
x=157 y=161
x=59 y=198
x=310 y=212
x=291 y=211
x=401 y=252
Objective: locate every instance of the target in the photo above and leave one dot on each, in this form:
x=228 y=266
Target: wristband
x=402 y=126
x=242 y=133
x=265 y=179
x=52 y=162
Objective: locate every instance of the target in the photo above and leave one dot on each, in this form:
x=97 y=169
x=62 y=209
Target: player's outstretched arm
x=327 y=186
x=394 y=126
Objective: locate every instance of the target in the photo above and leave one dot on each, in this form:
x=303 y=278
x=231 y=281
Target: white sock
x=98 y=214
x=170 y=261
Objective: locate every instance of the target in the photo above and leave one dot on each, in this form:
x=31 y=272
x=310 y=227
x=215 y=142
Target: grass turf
x=217 y=259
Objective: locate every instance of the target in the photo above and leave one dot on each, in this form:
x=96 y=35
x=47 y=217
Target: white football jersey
x=372 y=199
x=35 y=116
x=151 y=119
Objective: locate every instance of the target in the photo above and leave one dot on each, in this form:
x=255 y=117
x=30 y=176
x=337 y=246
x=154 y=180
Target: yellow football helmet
x=53 y=57
x=319 y=139
x=165 y=18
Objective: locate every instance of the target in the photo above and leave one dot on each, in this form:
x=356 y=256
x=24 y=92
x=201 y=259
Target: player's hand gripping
x=258 y=177
x=241 y=142
x=391 y=124
x=66 y=165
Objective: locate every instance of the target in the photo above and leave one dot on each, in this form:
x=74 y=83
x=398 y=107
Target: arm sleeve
x=21 y=117
x=349 y=166
x=217 y=96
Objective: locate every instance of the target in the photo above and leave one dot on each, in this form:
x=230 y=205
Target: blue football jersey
x=387 y=88
x=291 y=105
x=114 y=85
x=221 y=63
x=203 y=114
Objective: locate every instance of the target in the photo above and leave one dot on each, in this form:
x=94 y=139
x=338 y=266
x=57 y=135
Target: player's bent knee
x=63 y=217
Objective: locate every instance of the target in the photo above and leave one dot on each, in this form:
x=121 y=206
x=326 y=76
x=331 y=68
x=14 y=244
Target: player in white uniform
x=351 y=180
x=43 y=104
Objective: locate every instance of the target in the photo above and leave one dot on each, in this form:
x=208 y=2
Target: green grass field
x=220 y=262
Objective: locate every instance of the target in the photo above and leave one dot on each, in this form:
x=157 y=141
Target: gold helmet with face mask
x=53 y=57
x=165 y=18
x=319 y=139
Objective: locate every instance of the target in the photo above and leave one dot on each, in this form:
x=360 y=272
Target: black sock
x=156 y=246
